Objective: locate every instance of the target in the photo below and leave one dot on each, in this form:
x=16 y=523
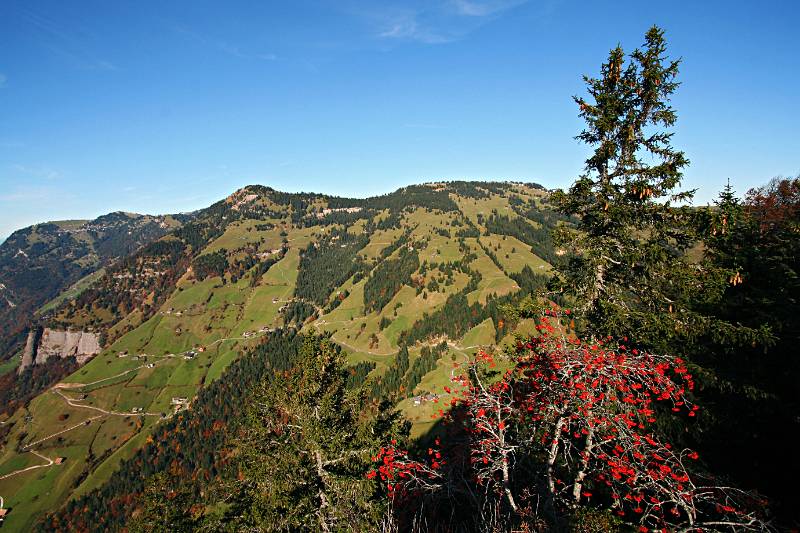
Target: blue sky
x=168 y=106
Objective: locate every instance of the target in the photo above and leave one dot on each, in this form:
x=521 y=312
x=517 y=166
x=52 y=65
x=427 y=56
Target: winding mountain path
x=59 y=387
x=71 y=403
x=57 y=433
x=49 y=463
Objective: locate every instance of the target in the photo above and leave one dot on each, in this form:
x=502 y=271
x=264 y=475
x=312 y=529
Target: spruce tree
x=162 y=507
x=305 y=449
x=755 y=412
x=628 y=272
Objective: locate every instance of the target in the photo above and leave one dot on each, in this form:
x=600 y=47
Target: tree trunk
x=551 y=460
x=576 y=488
x=507 y=483
x=323 y=498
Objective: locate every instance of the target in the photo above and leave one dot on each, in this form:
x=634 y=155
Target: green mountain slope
x=39 y=262
x=390 y=278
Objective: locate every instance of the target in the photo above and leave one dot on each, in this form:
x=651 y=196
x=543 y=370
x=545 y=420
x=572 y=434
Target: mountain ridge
x=40 y=261
x=376 y=274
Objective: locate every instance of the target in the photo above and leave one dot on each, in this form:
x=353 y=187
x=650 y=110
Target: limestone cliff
x=59 y=343
x=29 y=353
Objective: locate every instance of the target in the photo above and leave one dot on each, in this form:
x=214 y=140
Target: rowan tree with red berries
x=570 y=424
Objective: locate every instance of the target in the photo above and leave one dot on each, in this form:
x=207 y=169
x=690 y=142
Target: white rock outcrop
x=29 y=352
x=58 y=343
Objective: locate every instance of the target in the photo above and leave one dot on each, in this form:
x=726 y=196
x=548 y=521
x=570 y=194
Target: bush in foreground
x=568 y=433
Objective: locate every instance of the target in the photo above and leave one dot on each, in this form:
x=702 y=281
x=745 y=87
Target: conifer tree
x=755 y=420
x=628 y=271
x=305 y=450
x=162 y=507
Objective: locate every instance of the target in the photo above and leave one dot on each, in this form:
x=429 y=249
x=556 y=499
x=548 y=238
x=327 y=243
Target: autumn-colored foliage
x=583 y=413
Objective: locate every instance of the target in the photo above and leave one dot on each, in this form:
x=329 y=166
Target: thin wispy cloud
x=472 y=8
x=11 y=144
x=3 y=80
x=234 y=50
x=40 y=172
x=434 y=22
x=27 y=195
x=422 y=125
x=409 y=28
x=81 y=62
x=38 y=195
x=64 y=43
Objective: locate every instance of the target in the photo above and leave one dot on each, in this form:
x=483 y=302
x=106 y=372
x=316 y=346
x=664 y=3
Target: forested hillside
x=376 y=275
x=39 y=262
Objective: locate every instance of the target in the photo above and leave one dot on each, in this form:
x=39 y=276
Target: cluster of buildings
x=146 y=272
x=424 y=398
x=262 y=329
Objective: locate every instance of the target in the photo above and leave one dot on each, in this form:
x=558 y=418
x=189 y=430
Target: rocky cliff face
x=59 y=343
x=39 y=262
x=29 y=353
x=55 y=343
